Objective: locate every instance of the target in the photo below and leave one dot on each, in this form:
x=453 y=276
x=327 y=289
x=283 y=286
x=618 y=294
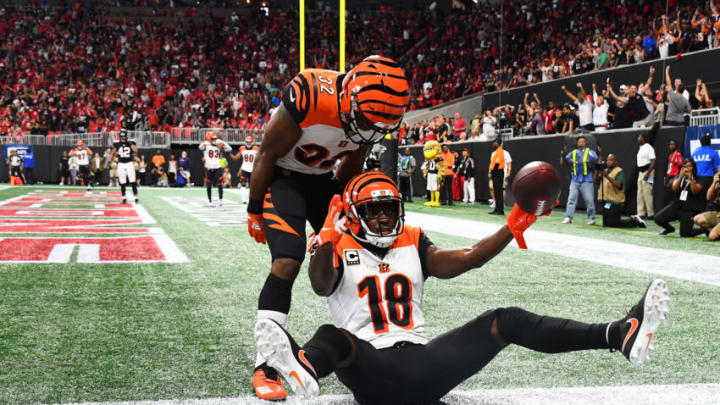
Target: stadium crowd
x=78 y=69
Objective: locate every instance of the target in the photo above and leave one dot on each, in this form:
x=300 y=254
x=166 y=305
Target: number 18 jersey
x=380 y=300
x=312 y=100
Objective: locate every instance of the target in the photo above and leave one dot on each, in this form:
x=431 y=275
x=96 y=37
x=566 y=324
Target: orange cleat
x=268 y=388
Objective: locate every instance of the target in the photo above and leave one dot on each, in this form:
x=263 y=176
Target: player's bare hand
x=255 y=228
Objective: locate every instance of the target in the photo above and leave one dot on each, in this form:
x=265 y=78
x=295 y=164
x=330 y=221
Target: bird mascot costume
x=434 y=171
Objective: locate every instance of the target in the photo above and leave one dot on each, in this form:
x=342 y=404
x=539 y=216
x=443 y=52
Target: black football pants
x=422 y=374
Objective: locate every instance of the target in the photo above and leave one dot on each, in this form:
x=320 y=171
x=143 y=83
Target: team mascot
x=434 y=171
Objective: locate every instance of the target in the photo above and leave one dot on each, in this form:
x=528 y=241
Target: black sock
x=122 y=190
x=220 y=191
x=547 y=334
x=328 y=347
x=209 y=192
x=134 y=188
x=275 y=294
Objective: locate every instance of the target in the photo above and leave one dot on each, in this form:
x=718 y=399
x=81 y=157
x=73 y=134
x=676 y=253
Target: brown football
x=536 y=187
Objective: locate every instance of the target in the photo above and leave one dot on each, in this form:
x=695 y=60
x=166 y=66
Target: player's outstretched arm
x=449 y=263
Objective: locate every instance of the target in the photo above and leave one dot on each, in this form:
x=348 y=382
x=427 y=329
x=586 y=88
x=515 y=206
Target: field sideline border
x=697 y=394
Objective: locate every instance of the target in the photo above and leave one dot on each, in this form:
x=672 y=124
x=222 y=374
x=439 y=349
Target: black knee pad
x=509 y=320
x=332 y=340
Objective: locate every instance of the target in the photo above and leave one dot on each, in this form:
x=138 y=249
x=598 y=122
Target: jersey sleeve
x=226 y=147
x=296 y=97
x=424 y=243
x=202 y=146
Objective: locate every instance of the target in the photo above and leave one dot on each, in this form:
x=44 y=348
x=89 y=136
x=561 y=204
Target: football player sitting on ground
x=372 y=268
x=126 y=152
x=213 y=173
x=325 y=117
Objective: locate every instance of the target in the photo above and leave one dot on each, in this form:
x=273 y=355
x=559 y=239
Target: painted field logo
x=53 y=227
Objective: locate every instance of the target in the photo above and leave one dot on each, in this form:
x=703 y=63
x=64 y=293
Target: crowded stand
x=79 y=69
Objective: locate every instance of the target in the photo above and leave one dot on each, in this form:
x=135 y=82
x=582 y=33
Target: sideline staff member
x=582 y=164
x=611 y=195
x=707 y=160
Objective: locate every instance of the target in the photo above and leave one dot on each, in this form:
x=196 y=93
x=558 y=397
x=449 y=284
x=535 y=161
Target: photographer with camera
x=611 y=195
x=687 y=203
x=710 y=219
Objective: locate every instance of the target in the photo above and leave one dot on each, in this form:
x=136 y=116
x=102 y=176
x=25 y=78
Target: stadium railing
x=143 y=139
x=705 y=116
x=233 y=136
x=24 y=139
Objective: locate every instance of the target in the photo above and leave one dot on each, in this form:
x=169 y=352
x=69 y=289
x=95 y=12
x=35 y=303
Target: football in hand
x=536 y=187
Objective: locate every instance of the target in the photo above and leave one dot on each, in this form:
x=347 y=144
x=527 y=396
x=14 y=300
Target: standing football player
x=325 y=117
x=372 y=268
x=83 y=153
x=247 y=153
x=127 y=153
x=213 y=173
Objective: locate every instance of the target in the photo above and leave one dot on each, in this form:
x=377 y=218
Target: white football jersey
x=212 y=154
x=83 y=156
x=312 y=99
x=380 y=300
x=248 y=158
x=318 y=150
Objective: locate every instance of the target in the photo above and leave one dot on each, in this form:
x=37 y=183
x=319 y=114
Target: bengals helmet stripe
x=375 y=91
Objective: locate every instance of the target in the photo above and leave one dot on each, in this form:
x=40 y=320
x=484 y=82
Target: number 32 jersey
x=312 y=100
x=380 y=300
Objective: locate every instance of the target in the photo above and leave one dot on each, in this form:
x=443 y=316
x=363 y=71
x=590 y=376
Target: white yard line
x=144 y=215
x=696 y=394
x=230 y=214
x=172 y=252
x=671 y=263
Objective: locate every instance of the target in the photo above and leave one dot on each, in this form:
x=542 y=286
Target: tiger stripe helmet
x=210 y=137
x=249 y=140
x=365 y=192
x=375 y=95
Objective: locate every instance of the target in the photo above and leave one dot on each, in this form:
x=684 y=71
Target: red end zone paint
x=23 y=216
x=89 y=250
x=67 y=212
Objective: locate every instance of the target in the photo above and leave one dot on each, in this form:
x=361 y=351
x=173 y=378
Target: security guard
x=582 y=165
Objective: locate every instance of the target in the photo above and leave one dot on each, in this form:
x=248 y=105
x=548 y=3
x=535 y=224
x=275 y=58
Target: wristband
x=254 y=207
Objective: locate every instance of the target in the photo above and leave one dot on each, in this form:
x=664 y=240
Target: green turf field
x=80 y=332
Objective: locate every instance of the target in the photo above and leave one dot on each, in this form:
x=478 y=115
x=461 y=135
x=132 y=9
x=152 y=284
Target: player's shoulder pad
x=302 y=95
x=296 y=96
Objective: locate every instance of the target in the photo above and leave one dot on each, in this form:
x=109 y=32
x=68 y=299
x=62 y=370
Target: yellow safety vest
x=585 y=156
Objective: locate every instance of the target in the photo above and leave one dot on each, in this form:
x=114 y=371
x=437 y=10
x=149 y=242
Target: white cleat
x=220 y=203
x=638 y=328
x=209 y=204
x=281 y=352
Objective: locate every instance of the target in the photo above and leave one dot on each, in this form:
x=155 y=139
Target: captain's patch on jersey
x=54 y=227
x=352 y=257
